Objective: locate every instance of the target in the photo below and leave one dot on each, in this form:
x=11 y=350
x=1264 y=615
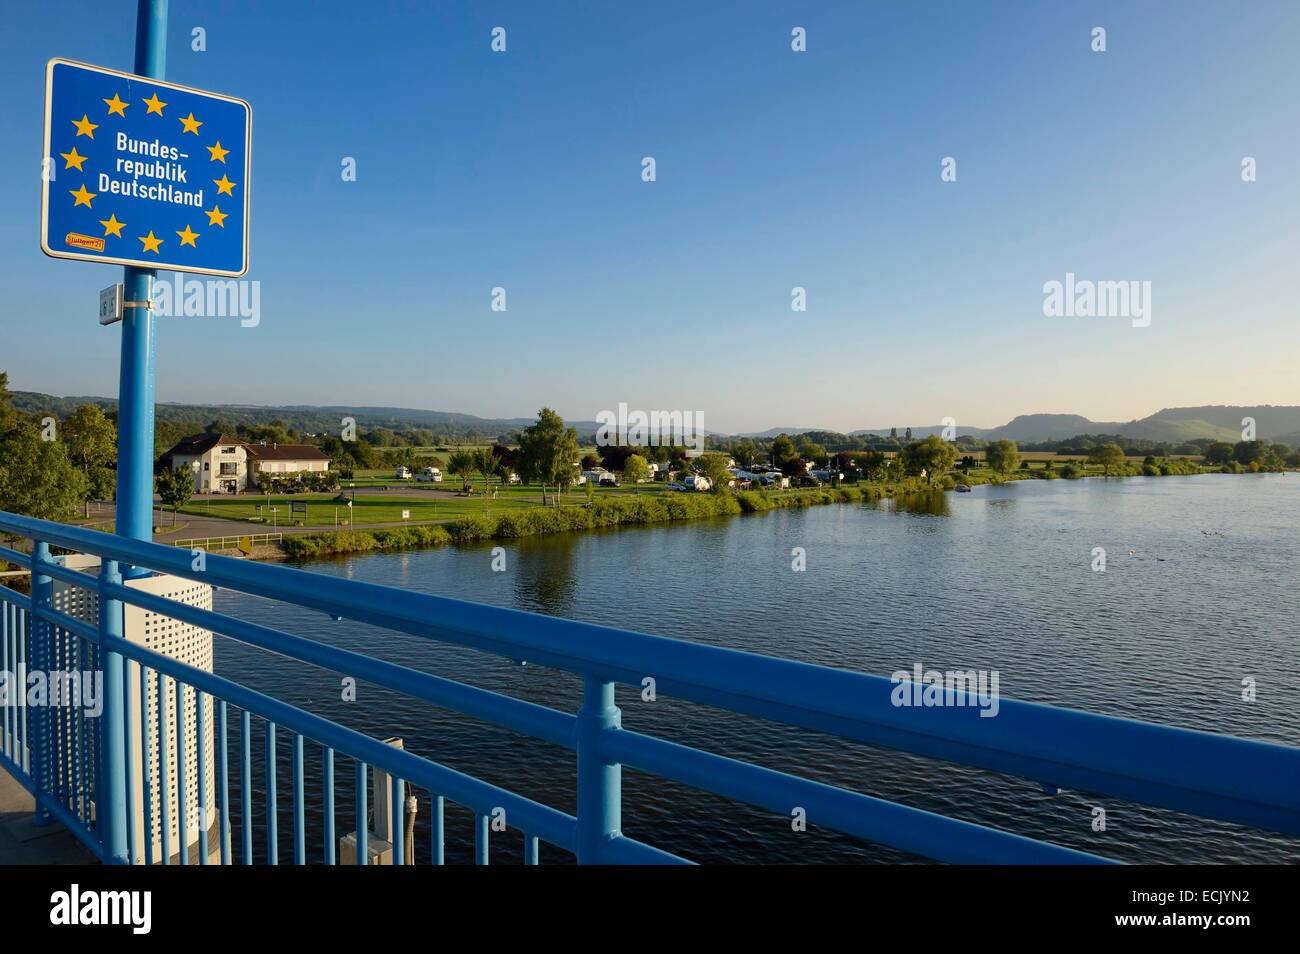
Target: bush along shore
x=635 y=510
x=653 y=508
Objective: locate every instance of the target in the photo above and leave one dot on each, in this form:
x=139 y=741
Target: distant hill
x=306 y=418
x=775 y=431
x=1050 y=427
x=923 y=431
x=1174 y=424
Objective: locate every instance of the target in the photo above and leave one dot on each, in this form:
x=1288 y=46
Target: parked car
x=431 y=474
x=608 y=480
x=514 y=479
x=676 y=486
x=402 y=473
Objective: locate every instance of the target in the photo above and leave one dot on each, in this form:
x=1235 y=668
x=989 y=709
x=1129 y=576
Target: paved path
x=22 y=843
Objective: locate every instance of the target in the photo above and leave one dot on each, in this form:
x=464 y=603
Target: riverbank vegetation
x=626 y=510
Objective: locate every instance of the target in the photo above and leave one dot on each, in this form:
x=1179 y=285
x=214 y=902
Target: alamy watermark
x=927 y=688
x=1083 y=298
x=626 y=428
x=23 y=687
x=213 y=298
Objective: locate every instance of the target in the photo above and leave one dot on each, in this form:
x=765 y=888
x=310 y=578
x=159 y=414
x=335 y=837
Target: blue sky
x=775 y=169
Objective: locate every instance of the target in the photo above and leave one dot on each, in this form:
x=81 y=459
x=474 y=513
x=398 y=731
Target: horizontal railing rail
x=1216 y=776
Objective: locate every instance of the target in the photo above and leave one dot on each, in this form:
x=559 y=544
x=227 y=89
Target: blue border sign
x=145 y=173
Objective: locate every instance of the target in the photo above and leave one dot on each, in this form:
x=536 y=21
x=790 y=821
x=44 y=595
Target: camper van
x=402 y=473
x=431 y=473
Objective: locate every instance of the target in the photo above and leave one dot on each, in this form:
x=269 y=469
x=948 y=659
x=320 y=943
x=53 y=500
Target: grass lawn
x=371 y=509
x=366 y=510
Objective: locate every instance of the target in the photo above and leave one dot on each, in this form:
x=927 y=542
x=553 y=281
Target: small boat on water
x=962 y=489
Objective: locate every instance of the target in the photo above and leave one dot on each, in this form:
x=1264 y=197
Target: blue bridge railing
x=118 y=776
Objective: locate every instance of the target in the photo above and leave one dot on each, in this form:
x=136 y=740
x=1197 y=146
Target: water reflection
x=931 y=503
x=544 y=576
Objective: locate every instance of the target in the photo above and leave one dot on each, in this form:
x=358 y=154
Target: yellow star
x=216 y=216
x=188 y=237
x=190 y=124
x=218 y=154
x=85 y=127
x=154 y=103
x=112 y=226
x=73 y=159
x=224 y=186
x=83 y=197
x=115 y=105
x=150 y=243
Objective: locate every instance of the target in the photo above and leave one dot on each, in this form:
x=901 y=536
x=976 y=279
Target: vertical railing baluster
x=113 y=812
x=223 y=781
x=182 y=793
x=397 y=817
x=272 y=829
x=146 y=773
x=128 y=732
x=327 y=783
x=299 y=809
x=363 y=817
x=164 y=776
x=530 y=849
x=245 y=787
x=20 y=687
x=480 y=839
x=600 y=781
x=200 y=736
x=24 y=621
x=77 y=729
x=436 y=837
x=62 y=737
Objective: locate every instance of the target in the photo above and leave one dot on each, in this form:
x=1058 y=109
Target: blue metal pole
x=600 y=782
x=110 y=813
x=139 y=347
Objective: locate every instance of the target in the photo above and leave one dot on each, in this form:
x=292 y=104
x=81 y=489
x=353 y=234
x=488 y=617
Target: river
x=1199 y=592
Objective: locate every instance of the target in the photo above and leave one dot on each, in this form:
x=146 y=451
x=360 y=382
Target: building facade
x=226 y=465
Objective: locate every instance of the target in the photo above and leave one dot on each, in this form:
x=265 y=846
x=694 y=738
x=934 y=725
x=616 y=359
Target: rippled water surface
x=1200 y=591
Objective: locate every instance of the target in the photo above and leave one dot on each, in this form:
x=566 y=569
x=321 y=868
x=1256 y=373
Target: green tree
x=813 y=452
x=36 y=477
x=548 y=452
x=1107 y=456
x=486 y=463
x=175 y=487
x=8 y=416
x=462 y=464
x=932 y=456
x=91 y=439
x=1003 y=456
x=872 y=462
x=745 y=453
x=636 y=469
x=1220 y=452
x=714 y=467
x=782 y=450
